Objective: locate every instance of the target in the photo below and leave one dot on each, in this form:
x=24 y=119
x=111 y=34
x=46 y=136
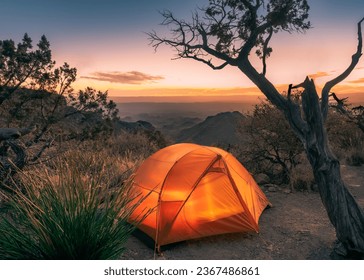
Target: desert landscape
x=295 y=227
x=113 y=126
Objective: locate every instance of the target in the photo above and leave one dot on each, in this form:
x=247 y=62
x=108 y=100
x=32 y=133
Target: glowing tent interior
x=195 y=191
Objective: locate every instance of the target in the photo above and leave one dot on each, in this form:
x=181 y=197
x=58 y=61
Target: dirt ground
x=295 y=228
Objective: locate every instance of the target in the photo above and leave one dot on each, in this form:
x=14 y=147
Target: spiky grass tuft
x=65 y=213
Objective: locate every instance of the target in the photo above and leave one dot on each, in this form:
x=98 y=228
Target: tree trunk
x=307 y=122
x=344 y=213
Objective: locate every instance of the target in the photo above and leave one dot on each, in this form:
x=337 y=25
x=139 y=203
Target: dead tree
x=225 y=33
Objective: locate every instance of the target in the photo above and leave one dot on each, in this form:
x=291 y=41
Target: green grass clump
x=66 y=213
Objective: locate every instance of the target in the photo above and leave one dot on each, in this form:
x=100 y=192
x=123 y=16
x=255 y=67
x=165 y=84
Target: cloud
x=319 y=75
x=358 y=81
x=132 y=77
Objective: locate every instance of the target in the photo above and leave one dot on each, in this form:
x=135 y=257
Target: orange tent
x=196 y=191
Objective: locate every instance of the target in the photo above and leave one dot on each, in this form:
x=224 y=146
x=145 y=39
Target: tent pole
x=236 y=190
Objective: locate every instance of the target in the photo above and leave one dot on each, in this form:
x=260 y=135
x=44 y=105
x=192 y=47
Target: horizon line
x=251 y=98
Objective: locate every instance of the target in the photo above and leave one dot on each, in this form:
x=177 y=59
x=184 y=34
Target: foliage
x=78 y=209
x=78 y=185
x=230 y=29
x=353 y=114
x=302 y=178
x=37 y=97
x=346 y=138
x=345 y=130
x=268 y=145
x=272 y=147
x=20 y=64
x=139 y=144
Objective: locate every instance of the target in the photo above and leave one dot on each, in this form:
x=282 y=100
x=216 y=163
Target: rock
x=287 y=191
x=262 y=179
x=7 y=133
x=271 y=187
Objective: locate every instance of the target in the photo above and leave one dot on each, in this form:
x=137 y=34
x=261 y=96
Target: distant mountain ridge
x=138 y=126
x=221 y=129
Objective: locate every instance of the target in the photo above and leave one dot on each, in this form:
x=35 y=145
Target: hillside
x=171 y=118
x=221 y=129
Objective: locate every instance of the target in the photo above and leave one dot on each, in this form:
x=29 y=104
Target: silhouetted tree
x=225 y=33
x=38 y=107
x=355 y=114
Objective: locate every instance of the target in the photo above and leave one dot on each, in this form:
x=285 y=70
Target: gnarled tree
x=225 y=33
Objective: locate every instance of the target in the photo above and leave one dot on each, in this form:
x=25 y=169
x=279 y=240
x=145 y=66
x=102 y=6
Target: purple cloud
x=132 y=77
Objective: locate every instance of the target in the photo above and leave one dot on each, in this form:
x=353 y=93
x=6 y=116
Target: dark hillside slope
x=221 y=129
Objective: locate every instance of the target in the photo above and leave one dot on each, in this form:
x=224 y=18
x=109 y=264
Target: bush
x=67 y=212
x=346 y=139
x=355 y=157
x=268 y=144
x=302 y=178
x=140 y=144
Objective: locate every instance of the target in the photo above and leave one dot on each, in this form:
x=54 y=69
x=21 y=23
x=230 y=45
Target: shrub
x=140 y=144
x=67 y=213
x=347 y=140
x=268 y=144
x=302 y=178
x=355 y=156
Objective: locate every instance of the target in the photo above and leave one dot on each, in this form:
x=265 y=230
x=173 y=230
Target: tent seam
x=241 y=200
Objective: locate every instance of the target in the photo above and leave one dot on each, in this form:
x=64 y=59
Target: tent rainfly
x=195 y=191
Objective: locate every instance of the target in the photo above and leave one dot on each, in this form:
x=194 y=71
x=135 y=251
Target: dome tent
x=195 y=191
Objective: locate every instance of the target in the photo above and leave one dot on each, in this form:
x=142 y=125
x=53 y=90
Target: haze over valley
x=172 y=114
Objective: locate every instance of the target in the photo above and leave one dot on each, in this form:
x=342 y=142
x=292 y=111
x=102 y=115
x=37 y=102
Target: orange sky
x=322 y=53
x=288 y=64
x=106 y=42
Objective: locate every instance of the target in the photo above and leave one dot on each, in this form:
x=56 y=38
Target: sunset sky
x=106 y=42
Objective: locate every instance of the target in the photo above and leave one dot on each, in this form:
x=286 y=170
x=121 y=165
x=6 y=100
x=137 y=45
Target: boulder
x=271 y=187
x=262 y=179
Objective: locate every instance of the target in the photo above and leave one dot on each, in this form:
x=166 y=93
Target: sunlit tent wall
x=196 y=191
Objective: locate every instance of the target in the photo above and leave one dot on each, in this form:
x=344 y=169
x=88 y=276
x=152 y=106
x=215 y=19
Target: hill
x=222 y=129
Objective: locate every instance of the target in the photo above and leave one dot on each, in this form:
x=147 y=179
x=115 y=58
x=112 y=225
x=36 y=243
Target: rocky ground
x=296 y=227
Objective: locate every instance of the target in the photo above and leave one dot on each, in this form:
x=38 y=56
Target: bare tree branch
x=208 y=62
x=351 y=113
x=330 y=84
x=340 y=102
x=252 y=40
x=206 y=48
x=265 y=51
x=289 y=92
x=47 y=145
